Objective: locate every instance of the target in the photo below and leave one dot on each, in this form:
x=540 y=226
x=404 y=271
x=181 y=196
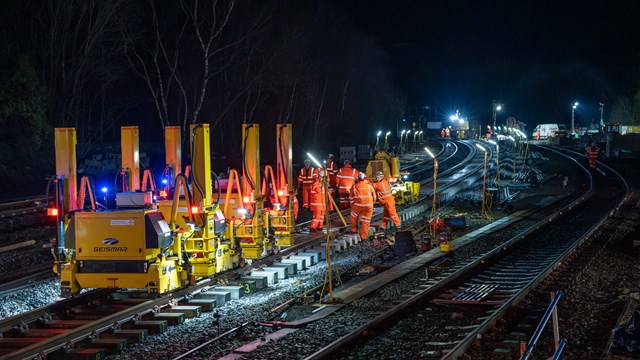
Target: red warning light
x=52 y=212
x=163 y=193
x=280 y=193
x=195 y=210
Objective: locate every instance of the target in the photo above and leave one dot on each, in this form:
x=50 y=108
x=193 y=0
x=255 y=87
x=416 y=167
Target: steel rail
x=417 y=298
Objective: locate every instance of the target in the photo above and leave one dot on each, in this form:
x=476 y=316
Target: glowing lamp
x=104 y=189
x=195 y=209
x=163 y=193
x=245 y=199
x=280 y=193
x=165 y=181
x=52 y=212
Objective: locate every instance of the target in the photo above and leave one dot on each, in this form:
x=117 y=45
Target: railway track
x=474 y=294
x=22 y=213
x=20 y=325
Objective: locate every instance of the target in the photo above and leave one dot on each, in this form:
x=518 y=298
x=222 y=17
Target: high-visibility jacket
x=307 y=176
x=592 y=155
x=345 y=178
x=383 y=191
x=332 y=172
x=362 y=194
x=317 y=193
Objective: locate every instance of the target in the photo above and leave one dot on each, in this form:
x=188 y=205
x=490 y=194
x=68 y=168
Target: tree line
x=98 y=64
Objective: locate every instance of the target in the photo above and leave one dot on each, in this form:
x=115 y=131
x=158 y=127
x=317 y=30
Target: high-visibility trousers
x=389 y=212
x=306 y=195
x=344 y=201
x=365 y=213
x=318 y=217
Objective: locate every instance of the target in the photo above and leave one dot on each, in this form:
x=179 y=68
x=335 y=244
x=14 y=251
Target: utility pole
x=601 y=117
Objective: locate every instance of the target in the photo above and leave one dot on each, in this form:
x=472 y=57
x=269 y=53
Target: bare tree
x=75 y=44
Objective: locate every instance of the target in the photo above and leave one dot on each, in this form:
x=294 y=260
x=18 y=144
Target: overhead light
x=430 y=153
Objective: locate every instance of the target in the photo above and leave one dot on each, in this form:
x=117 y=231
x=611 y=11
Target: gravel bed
x=254 y=308
x=38 y=296
x=12 y=262
x=596 y=290
x=363 y=308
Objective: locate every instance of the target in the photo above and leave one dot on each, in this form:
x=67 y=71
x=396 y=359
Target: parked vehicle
x=546 y=130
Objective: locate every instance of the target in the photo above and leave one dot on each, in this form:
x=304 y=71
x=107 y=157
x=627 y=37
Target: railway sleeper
x=133 y=336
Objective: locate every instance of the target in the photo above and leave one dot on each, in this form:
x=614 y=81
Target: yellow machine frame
x=173 y=152
x=209 y=251
x=123 y=248
x=404 y=192
x=173 y=155
x=131 y=156
x=282 y=221
x=251 y=230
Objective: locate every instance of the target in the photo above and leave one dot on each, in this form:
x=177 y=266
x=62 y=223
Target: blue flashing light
x=165 y=181
x=104 y=189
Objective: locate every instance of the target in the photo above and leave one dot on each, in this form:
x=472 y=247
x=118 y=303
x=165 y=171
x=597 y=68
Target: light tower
x=573 y=112
x=496 y=108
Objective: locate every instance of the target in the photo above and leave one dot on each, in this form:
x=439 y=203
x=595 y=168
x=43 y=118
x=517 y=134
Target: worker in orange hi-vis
x=344 y=178
x=305 y=180
x=538 y=134
x=447 y=133
x=383 y=191
x=318 y=197
x=592 y=155
x=332 y=171
x=331 y=190
x=362 y=198
x=442 y=133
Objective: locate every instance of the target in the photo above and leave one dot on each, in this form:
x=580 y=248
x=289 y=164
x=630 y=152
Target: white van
x=546 y=130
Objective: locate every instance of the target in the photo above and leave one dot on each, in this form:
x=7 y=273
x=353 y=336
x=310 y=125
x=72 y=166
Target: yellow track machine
x=404 y=192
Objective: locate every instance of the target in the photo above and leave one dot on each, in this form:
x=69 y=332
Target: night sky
x=535 y=57
x=338 y=70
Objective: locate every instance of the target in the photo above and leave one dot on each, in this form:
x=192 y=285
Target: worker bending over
x=383 y=191
x=345 y=177
x=362 y=197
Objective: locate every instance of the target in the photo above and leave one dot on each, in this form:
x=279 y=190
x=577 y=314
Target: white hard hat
x=331 y=156
x=361 y=176
x=321 y=173
x=379 y=173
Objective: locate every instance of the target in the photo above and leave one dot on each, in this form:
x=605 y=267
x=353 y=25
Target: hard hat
x=362 y=176
x=330 y=156
x=307 y=161
x=379 y=173
x=347 y=162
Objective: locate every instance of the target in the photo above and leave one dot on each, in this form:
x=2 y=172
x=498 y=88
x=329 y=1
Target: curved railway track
x=133 y=311
x=446 y=314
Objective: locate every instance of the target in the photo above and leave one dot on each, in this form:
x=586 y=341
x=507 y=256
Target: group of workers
x=354 y=190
